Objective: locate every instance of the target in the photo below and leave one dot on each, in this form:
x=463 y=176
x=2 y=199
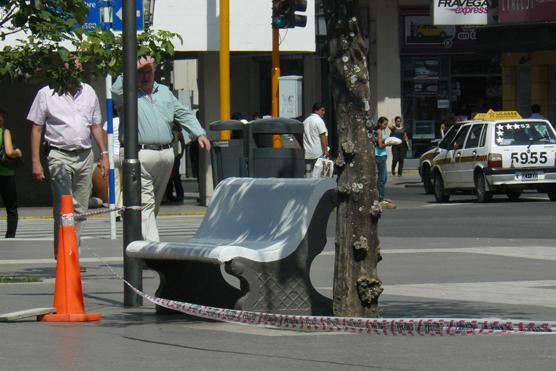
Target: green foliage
x=47 y=18
x=19 y=279
x=46 y=53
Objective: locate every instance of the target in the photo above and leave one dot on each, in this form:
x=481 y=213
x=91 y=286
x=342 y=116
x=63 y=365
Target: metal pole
x=225 y=65
x=131 y=168
x=276 y=139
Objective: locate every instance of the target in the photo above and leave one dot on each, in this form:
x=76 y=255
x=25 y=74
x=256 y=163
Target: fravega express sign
x=460 y=12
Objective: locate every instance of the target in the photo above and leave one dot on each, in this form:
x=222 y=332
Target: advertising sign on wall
x=460 y=12
x=523 y=11
x=420 y=36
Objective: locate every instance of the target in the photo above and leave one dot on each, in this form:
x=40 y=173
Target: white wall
x=385 y=58
x=197 y=21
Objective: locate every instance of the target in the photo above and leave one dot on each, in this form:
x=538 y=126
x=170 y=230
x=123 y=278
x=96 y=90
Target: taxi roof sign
x=497 y=115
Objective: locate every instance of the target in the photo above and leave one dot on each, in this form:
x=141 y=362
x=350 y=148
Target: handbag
x=323 y=168
x=10 y=163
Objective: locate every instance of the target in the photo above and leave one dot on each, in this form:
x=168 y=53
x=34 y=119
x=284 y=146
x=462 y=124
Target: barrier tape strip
x=83 y=216
x=352 y=325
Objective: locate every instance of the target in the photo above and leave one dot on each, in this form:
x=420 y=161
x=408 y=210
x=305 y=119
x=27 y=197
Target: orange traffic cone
x=68 y=294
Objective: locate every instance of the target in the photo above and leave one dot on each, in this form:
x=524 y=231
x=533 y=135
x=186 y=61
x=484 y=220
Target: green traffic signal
x=284 y=16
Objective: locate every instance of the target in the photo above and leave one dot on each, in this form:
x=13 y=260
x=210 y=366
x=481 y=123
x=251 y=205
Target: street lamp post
x=131 y=167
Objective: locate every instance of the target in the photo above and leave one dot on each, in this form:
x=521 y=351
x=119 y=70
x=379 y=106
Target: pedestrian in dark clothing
x=174 y=184
x=7 y=177
x=399 y=150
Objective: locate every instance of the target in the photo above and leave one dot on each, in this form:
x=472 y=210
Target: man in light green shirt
x=158 y=109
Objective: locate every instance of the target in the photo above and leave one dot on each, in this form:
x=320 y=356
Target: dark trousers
x=398 y=155
x=175 y=183
x=9 y=196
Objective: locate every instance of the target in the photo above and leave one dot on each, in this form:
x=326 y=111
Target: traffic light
x=284 y=13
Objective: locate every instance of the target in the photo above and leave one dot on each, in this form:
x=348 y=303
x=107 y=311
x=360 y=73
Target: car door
x=452 y=167
x=469 y=156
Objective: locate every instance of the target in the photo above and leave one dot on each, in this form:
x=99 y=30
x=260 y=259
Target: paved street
x=460 y=259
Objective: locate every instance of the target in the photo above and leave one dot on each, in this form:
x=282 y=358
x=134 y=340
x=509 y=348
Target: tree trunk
x=356 y=283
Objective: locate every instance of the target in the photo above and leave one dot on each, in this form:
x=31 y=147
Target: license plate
x=527 y=176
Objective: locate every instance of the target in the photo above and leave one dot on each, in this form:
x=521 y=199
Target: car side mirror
x=456 y=146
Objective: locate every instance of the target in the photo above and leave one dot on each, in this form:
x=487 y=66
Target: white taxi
x=497 y=152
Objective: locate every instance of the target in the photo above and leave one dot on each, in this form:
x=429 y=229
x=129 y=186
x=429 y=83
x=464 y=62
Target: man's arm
x=98 y=134
x=118 y=92
x=189 y=122
x=36 y=133
x=324 y=144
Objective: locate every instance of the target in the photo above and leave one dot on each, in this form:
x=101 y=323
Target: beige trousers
x=70 y=174
x=156 y=168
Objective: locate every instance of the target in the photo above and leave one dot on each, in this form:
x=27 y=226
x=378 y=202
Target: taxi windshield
x=524 y=133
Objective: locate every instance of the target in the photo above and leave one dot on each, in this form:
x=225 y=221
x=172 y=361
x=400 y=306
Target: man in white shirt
x=536 y=112
x=69 y=121
x=315 y=137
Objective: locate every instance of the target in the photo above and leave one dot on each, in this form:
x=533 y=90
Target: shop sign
x=419 y=34
x=460 y=12
x=523 y=11
x=443 y=103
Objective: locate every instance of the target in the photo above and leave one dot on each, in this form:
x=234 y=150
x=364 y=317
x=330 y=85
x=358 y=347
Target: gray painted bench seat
x=265 y=231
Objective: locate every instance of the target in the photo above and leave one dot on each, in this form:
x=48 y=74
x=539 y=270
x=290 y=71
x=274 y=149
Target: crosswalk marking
x=168 y=226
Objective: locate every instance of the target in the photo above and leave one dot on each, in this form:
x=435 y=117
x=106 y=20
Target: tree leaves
x=52 y=41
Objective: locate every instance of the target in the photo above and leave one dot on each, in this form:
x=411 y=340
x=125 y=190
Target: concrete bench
x=266 y=232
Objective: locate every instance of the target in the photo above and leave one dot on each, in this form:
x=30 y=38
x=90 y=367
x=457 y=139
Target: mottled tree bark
x=356 y=283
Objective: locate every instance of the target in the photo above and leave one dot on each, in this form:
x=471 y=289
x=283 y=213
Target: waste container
x=287 y=161
x=228 y=156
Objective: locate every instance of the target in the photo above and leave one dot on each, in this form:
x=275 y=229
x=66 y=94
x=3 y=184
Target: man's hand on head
x=144 y=61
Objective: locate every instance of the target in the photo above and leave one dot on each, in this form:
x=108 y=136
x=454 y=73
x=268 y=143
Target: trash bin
x=265 y=161
x=228 y=156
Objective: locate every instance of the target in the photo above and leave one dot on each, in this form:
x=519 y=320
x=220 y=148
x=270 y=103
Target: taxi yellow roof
x=497 y=115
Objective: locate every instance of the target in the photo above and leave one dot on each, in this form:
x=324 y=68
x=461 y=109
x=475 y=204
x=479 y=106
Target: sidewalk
x=131 y=338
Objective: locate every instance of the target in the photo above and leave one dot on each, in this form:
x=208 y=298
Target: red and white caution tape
x=379 y=326
x=119 y=210
x=353 y=325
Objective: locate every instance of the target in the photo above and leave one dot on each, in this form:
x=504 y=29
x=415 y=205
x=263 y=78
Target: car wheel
x=552 y=194
x=440 y=193
x=513 y=195
x=427 y=181
x=483 y=195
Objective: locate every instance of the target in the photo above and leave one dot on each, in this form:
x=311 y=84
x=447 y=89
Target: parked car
x=498 y=152
x=425 y=161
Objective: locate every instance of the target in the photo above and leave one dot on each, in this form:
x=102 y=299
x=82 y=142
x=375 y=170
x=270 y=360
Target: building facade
x=422 y=72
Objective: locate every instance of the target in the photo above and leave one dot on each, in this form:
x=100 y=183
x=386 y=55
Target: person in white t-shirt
x=69 y=121
x=315 y=137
